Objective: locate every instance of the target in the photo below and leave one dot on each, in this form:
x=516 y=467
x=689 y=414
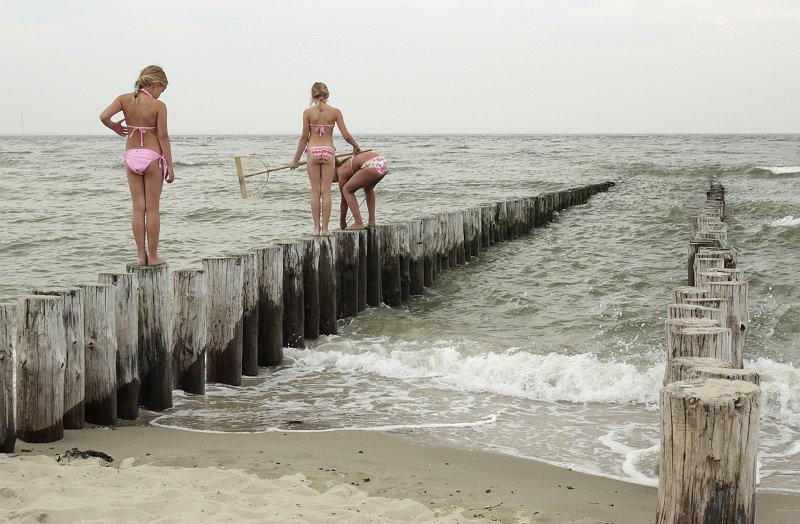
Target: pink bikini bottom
x=322 y=153
x=138 y=160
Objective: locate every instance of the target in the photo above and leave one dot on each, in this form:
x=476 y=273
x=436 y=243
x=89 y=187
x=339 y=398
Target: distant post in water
x=126 y=325
x=270 y=305
x=100 y=343
x=190 y=330
x=74 y=371
x=8 y=432
x=224 y=285
x=155 y=360
x=41 y=357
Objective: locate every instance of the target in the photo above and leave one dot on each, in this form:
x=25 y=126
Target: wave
x=780 y=170
x=787 y=221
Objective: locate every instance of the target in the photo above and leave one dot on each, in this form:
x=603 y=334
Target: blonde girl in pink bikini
x=317 y=140
x=148 y=156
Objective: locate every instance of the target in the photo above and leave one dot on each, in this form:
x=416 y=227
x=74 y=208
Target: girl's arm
x=163 y=140
x=301 y=145
x=346 y=134
x=113 y=109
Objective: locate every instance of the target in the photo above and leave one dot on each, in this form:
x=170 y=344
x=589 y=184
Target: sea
x=549 y=347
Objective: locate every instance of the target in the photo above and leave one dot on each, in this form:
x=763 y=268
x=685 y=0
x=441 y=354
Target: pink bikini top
x=320 y=128
x=141 y=129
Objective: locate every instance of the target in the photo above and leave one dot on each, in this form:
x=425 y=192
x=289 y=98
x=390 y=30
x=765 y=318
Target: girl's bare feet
x=155 y=261
x=315 y=233
x=355 y=227
x=325 y=233
x=141 y=258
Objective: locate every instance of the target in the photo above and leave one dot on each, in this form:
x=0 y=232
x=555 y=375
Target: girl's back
x=141 y=112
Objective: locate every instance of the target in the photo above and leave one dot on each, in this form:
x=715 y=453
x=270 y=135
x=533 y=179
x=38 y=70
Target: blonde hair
x=319 y=91
x=150 y=75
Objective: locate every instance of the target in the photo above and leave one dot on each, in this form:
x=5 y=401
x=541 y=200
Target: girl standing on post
x=316 y=139
x=148 y=156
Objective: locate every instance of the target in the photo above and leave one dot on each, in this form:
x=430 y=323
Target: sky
x=409 y=66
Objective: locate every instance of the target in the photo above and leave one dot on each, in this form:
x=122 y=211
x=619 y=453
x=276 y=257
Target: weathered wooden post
x=719 y=304
x=390 y=265
x=430 y=228
x=74 y=369
x=327 y=285
x=270 y=305
x=40 y=368
x=694 y=247
x=416 y=257
x=154 y=358
x=363 y=268
x=501 y=221
x=404 y=256
x=100 y=354
x=709 y=445
x=680 y=294
x=311 y=283
x=487 y=225
x=224 y=305
x=445 y=243
x=736 y=294
x=249 y=313
x=347 y=269
x=8 y=431
x=126 y=325
x=681 y=368
x=458 y=253
x=694 y=311
x=724 y=373
x=673 y=325
x=472 y=232
x=190 y=330
x=293 y=298
x=374 y=295
x=710 y=341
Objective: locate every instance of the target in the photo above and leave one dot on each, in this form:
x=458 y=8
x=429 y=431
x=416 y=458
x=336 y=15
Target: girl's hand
x=294 y=165
x=119 y=129
x=356 y=150
x=170 y=176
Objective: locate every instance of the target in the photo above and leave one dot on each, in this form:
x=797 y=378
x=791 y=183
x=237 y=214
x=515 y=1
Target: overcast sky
x=409 y=66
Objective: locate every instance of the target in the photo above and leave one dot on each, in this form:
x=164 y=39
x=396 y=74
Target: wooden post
x=363 y=268
x=736 y=295
x=444 y=244
x=487 y=225
x=501 y=221
x=724 y=373
x=704 y=264
x=472 y=232
x=457 y=227
x=293 y=299
x=100 y=339
x=374 y=295
x=404 y=256
x=673 y=325
x=720 y=304
x=126 y=325
x=694 y=311
x=711 y=342
x=310 y=288
x=8 y=431
x=728 y=255
x=416 y=257
x=347 y=270
x=430 y=227
x=190 y=330
x=682 y=368
x=327 y=285
x=249 y=313
x=41 y=357
x=390 y=265
x=694 y=247
x=269 y=264
x=74 y=370
x=154 y=358
x=709 y=445
x=683 y=293
x=224 y=305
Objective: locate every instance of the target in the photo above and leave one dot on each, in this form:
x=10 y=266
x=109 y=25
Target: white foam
x=780 y=390
x=781 y=170
x=787 y=221
x=454 y=365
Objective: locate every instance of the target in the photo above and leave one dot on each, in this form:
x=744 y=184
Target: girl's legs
x=136 y=185
x=153 y=182
x=315 y=179
x=343 y=203
x=361 y=179
x=328 y=172
x=369 y=195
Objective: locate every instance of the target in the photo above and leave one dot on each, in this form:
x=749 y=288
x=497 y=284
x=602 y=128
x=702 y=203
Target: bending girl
x=148 y=156
x=317 y=139
x=361 y=171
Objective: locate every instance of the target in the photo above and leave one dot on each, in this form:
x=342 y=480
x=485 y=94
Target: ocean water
x=550 y=347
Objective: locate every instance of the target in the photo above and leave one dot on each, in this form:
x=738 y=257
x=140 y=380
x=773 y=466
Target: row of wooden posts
x=98 y=351
x=709 y=404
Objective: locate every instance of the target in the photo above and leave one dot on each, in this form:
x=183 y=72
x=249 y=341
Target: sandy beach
x=165 y=475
